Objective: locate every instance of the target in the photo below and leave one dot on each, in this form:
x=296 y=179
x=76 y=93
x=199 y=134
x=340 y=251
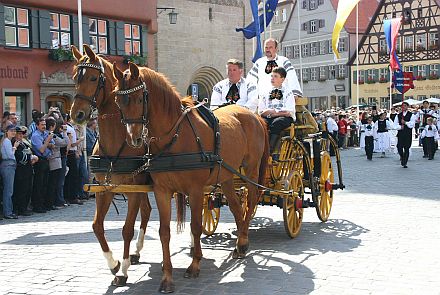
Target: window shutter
x=120 y=38
x=427 y=70
x=438 y=70
x=387 y=73
x=354 y=77
x=326 y=75
x=304 y=4
x=144 y=44
x=321 y=23
x=320 y=2
x=305 y=26
x=44 y=29
x=308 y=27
x=2 y=25
x=415 y=71
x=85 y=30
x=34 y=27
x=112 y=37
x=376 y=74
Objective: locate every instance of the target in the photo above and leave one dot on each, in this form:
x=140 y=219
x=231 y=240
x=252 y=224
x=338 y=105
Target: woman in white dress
x=382 y=138
x=361 y=124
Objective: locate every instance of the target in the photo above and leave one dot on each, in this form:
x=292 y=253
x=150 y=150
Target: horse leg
x=196 y=204
x=236 y=209
x=103 y=201
x=127 y=234
x=163 y=202
x=145 y=209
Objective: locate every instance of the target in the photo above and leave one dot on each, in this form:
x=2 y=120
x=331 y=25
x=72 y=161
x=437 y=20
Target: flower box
x=433 y=77
x=420 y=78
x=383 y=80
x=136 y=59
x=371 y=81
x=60 y=54
x=360 y=82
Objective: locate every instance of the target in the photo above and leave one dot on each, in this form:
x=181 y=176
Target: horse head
x=93 y=77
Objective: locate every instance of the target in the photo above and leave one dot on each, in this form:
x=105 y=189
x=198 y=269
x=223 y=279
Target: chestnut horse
x=154 y=112
x=94 y=86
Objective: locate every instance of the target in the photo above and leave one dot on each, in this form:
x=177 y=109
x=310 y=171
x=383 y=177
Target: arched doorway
x=62 y=102
x=205 y=78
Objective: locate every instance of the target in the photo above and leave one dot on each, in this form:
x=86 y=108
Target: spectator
x=91 y=137
x=36 y=115
x=5 y=121
x=83 y=174
x=13 y=119
x=42 y=142
x=23 y=173
x=7 y=171
x=332 y=129
x=342 y=131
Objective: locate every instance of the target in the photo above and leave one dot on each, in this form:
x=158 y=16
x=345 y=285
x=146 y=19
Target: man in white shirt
x=234 y=89
x=332 y=129
x=404 y=122
x=260 y=74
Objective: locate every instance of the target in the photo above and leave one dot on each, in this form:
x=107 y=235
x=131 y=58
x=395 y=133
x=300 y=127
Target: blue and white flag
x=257 y=26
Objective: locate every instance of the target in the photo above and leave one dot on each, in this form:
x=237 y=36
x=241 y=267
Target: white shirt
x=369 y=129
x=331 y=125
x=430 y=133
x=257 y=76
x=248 y=94
x=286 y=104
x=73 y=132
x=410 y=124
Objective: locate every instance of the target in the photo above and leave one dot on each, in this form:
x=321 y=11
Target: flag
x=257 y=26
x=391 y=30
x=344 y=9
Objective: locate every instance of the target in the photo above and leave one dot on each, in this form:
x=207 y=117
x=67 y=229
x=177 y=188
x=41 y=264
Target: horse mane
x=162 y=89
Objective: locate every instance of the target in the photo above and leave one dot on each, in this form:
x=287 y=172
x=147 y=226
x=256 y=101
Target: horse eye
x=93 y=78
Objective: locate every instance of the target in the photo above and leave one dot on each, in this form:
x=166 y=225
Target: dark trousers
x=278 y=124
x=341 y=139
x=425 y=146
x=403 y=146
x=53 y=193
x=41 y=178
x=333 y=134
x=430 y=147
x=22 y=187
x=72 y=178
x=369 y=146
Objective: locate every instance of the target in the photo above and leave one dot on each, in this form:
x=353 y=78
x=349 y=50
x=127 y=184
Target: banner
x=344 y=9
x=391 y=30
x=403 y=81
x=257 y=26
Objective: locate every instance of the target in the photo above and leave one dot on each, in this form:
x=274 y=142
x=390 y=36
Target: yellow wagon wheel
x=210 y=216
x=326 y=180
x=292 y=205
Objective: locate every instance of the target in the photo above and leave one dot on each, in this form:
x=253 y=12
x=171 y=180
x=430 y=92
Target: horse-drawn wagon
x=157 y=141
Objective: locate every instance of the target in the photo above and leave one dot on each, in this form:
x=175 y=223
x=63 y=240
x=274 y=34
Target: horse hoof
x=244 y=248
x=116 y=269
x=119 y=281
x=189 y=273
x=134 y=259
x=166 y=287
x=237 y=255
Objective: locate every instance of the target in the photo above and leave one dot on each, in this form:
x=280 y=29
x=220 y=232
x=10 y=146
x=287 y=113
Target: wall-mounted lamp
x=172 y=15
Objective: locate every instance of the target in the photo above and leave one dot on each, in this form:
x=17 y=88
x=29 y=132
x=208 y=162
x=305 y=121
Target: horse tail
x=180 y=211
x=265 y=156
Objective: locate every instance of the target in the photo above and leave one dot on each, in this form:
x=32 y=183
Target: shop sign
x=7 y=72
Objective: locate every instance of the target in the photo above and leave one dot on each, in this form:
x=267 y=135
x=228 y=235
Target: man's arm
x=252 y=97
x=216 y=97
x=292 y=79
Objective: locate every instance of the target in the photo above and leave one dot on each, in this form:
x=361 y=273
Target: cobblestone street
x=382 y=238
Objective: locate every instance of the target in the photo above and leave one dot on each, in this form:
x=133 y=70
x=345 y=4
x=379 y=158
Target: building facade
x=195 y=50
x=35 y=37
x=306 y=41
x=417 y=48
x=279 y=21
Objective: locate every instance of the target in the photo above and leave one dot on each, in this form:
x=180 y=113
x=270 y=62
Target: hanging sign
x=403 y=81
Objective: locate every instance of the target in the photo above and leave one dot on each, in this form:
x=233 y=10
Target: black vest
x=393 y=116
x=382 y=126
x=407 y=118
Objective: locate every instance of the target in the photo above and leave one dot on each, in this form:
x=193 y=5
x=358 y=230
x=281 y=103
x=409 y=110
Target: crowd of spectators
x=43 y=166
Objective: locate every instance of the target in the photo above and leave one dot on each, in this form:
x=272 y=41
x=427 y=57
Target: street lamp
x=172 y=15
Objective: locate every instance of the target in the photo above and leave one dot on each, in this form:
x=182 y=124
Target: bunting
x=344 y=9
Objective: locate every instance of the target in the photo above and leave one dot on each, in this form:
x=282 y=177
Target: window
x=296 y=51
x=314 y=48
x=332 y=72
x=341 y=71
x=305 y=50
x=421 y=71
x=322 y=73
x=330 y=48
x=384 y=102
x=98 y=35
x=408 y=43
x=306 y=76
x=16 y=103
x=433 y=40
x=284 y=15
x=398 y=44
x=408 y=68
x=17 y=27
x=383 y=47
x=433 y=70
x=370 y=75
x=288 y=51
x=312 y=74
x=322 y=47
x=372 y=101
x=341 y=45
x=421 y=41
x=60 y=30
x=132 y=39
x=421 y=97
x=313 y=4
x=361 y=77
x=383 y=75
x=313 y=26
x=276 y=17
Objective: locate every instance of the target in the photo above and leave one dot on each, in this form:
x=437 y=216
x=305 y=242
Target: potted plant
x=136 y=59
x=383 y=80
x=361 y=81
x=371 y=81
x=420 y=78
x=60 y=54
x=433 y=76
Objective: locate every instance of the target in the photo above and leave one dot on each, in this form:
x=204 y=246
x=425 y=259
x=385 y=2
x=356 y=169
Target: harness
x=101 y=82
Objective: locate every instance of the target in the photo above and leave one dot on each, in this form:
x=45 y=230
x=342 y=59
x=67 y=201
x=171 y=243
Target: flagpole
x=357 y=60
x=80 y=35
x=300 y=51
x=264 y=20
x=391 y=83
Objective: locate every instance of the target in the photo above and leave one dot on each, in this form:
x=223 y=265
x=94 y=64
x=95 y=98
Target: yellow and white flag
x=344 y=9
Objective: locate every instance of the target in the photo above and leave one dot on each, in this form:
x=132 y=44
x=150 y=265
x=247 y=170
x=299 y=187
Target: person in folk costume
x=374 y=114
x=393 y=131
x=364 y=119
x=234 y=89
x=404 y=123
x=369 y=131
x=430 y=136
x=424 y=113
x=260 y=73
x=382 y=137
x=277 y=106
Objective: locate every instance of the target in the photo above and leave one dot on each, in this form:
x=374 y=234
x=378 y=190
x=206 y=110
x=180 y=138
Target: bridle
x=125 y=93
x=101 y=82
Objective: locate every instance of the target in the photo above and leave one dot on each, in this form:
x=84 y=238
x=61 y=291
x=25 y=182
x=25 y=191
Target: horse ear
x=89 y=52
x=76 y=54
x=118 y=73
x=134 y=71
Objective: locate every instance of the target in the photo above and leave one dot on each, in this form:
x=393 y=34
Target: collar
x=241 y=81
x=275 y=59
